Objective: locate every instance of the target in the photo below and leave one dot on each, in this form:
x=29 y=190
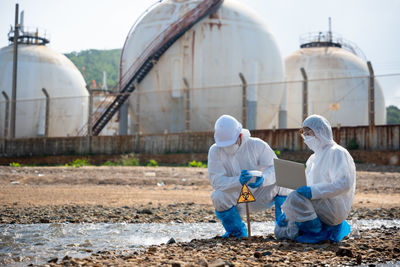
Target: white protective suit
x=224 y=170
x=331 y=175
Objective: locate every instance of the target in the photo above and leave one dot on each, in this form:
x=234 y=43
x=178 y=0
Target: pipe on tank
x=90 y=118
x=244 y=99
x=187 y=106
x=123 y=119
x=177 y=99
x=47 y=116
x=14 y=80
x=136 y=126
x=282 y=119
x=6 y=114
x=371 y=95
x=305 y=93
x=252 y=97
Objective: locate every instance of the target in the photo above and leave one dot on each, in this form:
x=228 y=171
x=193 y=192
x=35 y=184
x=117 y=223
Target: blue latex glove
x=280 y=217
x=244 y=177
x=305 y=191
x=259 y=181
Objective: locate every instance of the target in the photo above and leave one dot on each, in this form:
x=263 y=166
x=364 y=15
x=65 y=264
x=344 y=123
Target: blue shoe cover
x=312 y=226
x=232 y=223
x=333 y=233
x=313 y=238
x=338 y=232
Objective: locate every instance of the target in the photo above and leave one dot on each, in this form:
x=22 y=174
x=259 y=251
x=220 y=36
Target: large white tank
x=41 y=67
x=337 y=86
x=210 y=56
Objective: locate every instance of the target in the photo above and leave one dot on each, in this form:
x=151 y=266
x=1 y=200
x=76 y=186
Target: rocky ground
x=148 y=213
x=373 y=247
x=165 y=194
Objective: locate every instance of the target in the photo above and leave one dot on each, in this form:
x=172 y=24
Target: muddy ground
x=165 y=194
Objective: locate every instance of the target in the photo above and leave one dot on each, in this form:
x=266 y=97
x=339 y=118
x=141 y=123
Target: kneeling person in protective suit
x=229 y=159
x=318 y=211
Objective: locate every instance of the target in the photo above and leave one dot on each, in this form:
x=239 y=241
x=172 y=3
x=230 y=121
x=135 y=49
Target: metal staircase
x=149 y=57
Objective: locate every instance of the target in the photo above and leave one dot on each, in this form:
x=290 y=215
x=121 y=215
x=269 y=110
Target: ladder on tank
x=142 y=66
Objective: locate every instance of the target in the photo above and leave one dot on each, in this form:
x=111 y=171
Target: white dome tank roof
x=337 y=87
x=210 y=56
x=41 y=67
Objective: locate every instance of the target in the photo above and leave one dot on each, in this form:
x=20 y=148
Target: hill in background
x=91 y=63
x=392 y=115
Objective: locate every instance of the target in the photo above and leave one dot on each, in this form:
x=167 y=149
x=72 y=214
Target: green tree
x=392 y=115
x=91 y=63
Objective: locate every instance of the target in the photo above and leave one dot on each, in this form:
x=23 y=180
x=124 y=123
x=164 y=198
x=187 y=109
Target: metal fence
x=190 y=107
x=384 y=138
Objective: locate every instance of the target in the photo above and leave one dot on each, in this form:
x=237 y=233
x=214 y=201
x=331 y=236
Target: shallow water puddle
x=21 y=244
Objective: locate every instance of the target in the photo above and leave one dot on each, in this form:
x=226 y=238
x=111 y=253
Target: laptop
x=289 y=174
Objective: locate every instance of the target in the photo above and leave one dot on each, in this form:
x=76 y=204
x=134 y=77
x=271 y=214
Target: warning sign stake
x=245 y=197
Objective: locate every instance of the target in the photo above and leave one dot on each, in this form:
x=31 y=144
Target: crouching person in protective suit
x=318 y=211
x=229 y=160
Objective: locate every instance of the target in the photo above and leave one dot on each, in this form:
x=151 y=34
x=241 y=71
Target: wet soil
x=177 y=194
x=371 y=248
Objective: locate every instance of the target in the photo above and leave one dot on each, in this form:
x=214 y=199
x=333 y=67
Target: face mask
x=311 y=142
x=231 y=149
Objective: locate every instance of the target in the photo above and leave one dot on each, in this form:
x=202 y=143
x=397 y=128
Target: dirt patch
x=169 y=194
x=120 y=194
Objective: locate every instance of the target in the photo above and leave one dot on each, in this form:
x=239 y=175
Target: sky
x=75 y=25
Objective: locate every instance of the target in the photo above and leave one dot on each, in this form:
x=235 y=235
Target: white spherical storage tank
x=337 y=86
x=41 y=67
x=210 y=56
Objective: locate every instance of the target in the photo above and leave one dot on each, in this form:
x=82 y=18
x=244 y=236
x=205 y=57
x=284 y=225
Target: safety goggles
x=306 y=132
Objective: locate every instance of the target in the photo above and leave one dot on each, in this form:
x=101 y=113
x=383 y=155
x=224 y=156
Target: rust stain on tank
x=211 y=24
x=214 y=15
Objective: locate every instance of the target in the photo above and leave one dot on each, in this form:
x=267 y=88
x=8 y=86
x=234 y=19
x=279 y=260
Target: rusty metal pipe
x=244 y=100
x=187 y=115
x=305 y=93
x=14 y=78
x=371 y=95
x=46 y=127
x=6 y=114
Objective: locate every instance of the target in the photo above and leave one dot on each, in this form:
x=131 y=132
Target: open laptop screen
x=289 y=174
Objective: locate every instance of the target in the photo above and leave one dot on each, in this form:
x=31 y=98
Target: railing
x=30 y=35
x=142 y=65
x=181 y=24
x=329 y=38
x=129 y=36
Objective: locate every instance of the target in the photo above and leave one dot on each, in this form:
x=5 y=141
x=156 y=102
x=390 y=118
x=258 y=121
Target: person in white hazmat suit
x=317 y=212
x=229 y=161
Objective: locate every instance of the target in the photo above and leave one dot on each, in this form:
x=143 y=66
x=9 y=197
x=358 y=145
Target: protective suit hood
x=322 y=130
x=245 y=136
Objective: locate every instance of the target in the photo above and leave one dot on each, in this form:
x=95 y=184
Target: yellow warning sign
x=245 y=195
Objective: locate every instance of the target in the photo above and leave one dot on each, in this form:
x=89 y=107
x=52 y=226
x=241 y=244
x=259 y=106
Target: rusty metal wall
x=383 y=138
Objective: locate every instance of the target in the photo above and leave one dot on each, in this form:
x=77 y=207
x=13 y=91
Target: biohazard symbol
x=245 y=195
